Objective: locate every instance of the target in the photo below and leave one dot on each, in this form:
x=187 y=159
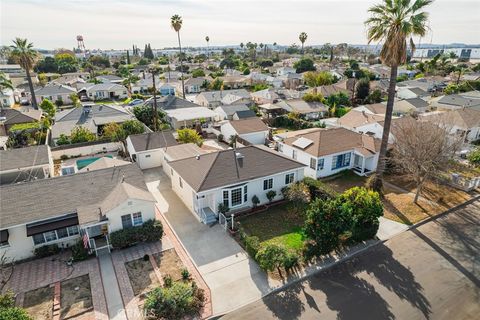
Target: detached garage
x=147 y=149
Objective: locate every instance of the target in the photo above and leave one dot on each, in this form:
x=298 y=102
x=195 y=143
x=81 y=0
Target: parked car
x=135 y=102
x=24 y=101
x=83 y=98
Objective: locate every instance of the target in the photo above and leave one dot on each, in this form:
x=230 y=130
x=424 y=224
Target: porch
x=96 y=237
x=363 y=165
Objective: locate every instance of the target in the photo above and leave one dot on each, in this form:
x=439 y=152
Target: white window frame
x=243 y=195
x=268 y=183
x=140 y=216
x=70 y=231
x=289 y=178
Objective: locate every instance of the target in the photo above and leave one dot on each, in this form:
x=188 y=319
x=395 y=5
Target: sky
x=117 y=24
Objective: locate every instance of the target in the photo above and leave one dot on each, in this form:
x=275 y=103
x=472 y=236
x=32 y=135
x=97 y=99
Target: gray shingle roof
x=458 y=100
x=47 y=198
x=23 y=157
x=221 y=168
x=212 y=96
x=171 y=102
x=54 y=89
x=13 y=116
x=244 y=114
x=231 y=109
x=152 y=140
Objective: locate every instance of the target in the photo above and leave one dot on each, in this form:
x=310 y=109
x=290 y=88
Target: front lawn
x=276 y=225
x=345 y=180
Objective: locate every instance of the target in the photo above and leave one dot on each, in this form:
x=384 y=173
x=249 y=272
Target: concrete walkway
x=388 y=228
x=111 y=289
x=232 y=276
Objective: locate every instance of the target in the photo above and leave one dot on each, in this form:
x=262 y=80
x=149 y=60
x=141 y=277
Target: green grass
x=276 y=225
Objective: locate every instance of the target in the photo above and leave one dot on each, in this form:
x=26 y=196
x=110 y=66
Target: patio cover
x=52 y=224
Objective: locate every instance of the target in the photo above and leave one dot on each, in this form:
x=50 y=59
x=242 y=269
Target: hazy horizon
x=117 y=24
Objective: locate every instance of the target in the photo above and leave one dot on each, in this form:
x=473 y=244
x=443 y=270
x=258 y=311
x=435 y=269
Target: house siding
x=147 y=208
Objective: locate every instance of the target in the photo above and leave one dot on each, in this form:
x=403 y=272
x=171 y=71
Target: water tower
x=81 y=44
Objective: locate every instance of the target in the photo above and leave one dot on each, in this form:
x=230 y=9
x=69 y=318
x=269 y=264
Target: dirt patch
x=76 y=298
x=345 y=181
x=39 y=303
x=169 y=263
x=142 y=276
x=400 y=207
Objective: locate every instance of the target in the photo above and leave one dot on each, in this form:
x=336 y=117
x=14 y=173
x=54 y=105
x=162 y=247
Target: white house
x=329 y=151
x=251 y=130
x=87 y=205
x=283 y=71
x=25 y=164
x=104 y=91
x=7 y=98
x=232 y=178
x=212 y=99
x=147 y=149
x=465 y=122
x=411 y=92
x=363 y=122
x=55 y=92
x=188 y=117
x=226 y=112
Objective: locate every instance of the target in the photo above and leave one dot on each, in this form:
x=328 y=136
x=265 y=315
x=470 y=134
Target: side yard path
x=48 y=271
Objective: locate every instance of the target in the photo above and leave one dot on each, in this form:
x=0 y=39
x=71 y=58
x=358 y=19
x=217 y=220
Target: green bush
x=150 y=231
x=14 y=313
x=255 y=200
x=167 y=280
x=252 y=245
x=185 y=274
x=138 y=96
x=79 y=252
x=318 y=189
x=271 y=195
x=291 y=260
x=474 y=156
x=7 y=300
x=178 y=301
x=46 y=251
x=271 y=256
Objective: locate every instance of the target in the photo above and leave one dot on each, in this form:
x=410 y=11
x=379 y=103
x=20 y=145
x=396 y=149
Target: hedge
x=46 y=251
x=151 y=230
x=318 y=189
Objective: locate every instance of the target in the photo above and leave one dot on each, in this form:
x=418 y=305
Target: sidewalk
x=111 y=289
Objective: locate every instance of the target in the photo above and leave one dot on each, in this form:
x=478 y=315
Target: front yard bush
x=178 y=301
x=46 y=251
x=151 y=230
x=252 y=245
x=79 y=252
x=8 y=311
x=318 y=189
x=271 y=257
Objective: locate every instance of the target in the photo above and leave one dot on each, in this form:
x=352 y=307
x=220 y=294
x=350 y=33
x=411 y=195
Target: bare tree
x=422 y=149
x=6 y=270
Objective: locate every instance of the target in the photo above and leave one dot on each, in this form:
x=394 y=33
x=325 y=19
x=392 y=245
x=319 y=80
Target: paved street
x=430 y=272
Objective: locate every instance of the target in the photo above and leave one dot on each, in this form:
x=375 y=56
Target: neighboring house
x=194 y=85
x=307 y=110
x=226 y=112
x=11 y=117
x=462 y=122
x=375 y=108
x=111 y=78
x=181 y=151
x=257 y=77
x=167 y=89
x=75 y=75
x=431 y=84
x=76 y=83
x=143 y=86
x=232 y=178
x=265 y=96
x=283 y=71
x=363 y=122
x=329 y=151
x=235 y=81
x=455 y=101
x=245 y=114
x=54 y=93
x=291 y=80
x=7 y=98
x=25 y=164
x=212 y=99
x=171 y=103
x=410 y=105
x=92 y=117
x=105 y=91
x=411 y=92
x=332 y=89
x=147 y=149
x=251 y=130
x=61 y=211
x=189 y=117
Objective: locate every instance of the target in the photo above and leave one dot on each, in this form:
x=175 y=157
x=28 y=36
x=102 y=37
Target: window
x=126 y=221
x=313 y=163
x=4 y=244
x=289 y=178
x=62 y=233
x=225 y=198
x=320 y=164
x=137 y=218
x=54 y=235
x=73 y=230
x=236 y=195
x=268 y=184
x=341 y=161
x=50 y=236
x=180 y=182
x=147 y=156
x=294 y=154
x=245 y=194
x=38 y=239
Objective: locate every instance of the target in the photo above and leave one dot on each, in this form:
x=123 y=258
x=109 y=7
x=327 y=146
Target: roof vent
x=239 y=155
x=197 y=157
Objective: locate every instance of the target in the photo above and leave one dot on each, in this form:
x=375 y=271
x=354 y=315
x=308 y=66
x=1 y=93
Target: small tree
x=132 y=127
x=299 y=194
x=75 y=100
x=422 y=149
x=113 y=132
x=81 y=134
x=49 y=108
x=187 y=135
x=178 y=301
x=474 y=157
x=271 y=195
x=362 y=89
x=271 y=256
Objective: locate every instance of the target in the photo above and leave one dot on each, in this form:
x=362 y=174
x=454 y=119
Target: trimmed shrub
x=252 y=245
x=79 y=252
x=291 y=260
x=271 y=256
x=151 y=230
x=167 y=280
x=255 y=200
x=14 y=313
x=271 y=195
x=46 y=251
x=220 y=137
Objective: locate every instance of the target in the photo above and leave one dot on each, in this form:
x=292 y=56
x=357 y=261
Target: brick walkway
x=207 y=310
x=119 y=258
x=47 y=271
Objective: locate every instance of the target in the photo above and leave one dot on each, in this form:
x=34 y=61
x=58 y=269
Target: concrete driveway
x=431 y=271
x=234 y=278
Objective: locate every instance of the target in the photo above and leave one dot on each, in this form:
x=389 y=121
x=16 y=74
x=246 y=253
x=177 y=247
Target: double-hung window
x=341 y=161
x=137 y=218
x=289 y=178
x=236 y=197
x=320 y=164
x=268 y=184
x=127 y=221
x=225 y=198
x=313 y=163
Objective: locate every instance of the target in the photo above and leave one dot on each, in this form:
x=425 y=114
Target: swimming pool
x=82 y=163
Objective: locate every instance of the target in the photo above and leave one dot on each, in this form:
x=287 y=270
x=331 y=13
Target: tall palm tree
x=176 y=23
x=303 y=37
x=393 y=22
x=207 y=38
x=25 y=55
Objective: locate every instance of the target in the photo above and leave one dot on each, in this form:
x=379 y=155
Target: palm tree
x=176 y=23
x=25 y=55
x=207 y=38
x=303 y=37
x=241 y=47
x=393 y=22
x=129 y=80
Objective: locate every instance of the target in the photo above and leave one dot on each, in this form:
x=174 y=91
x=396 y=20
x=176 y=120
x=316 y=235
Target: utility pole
x=155 y=113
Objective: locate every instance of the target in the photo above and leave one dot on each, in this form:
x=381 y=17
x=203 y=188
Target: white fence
x=80 y=149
